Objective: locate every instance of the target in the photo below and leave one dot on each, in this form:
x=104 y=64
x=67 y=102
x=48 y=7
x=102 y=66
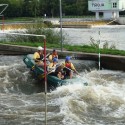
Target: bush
x=52 y=36
x=95 y=44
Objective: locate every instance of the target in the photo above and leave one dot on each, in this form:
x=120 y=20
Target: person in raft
x=38 y=56
x=69 y=68
x=53 y=55
x=52 y=69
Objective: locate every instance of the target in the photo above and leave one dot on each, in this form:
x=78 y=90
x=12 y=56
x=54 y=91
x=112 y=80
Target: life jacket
x=68 y=65
x=52 y=67
x=54 y=55
x=40 y=57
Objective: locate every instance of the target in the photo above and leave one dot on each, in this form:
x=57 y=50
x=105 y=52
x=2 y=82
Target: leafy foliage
x=52 y=36
x=37 y=8
x=94 y=43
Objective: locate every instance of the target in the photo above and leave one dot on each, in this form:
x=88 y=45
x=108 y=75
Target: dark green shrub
x=52 y=35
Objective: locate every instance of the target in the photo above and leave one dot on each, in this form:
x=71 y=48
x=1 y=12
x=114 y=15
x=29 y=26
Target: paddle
x=53 y=70
x=46 y=56
x=77 y=74
x=72 y=70
x=41 y=76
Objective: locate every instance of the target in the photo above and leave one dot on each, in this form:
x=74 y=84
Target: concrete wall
x=107 y=61
x=121 y=20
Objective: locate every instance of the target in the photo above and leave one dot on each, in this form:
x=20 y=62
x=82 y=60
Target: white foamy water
x=22 y=99
x=112 y=34
x=101 y=102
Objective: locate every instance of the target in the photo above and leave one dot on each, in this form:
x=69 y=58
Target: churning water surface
x=113 y=35
x=22 y=100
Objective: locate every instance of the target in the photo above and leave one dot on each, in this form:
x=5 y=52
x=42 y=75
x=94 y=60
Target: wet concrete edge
x=112 y=62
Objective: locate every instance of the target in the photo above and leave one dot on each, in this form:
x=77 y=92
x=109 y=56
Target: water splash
x=101 y=102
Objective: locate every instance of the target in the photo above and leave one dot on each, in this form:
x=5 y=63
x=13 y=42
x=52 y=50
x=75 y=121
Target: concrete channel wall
x=121 y=20
x=107 y=61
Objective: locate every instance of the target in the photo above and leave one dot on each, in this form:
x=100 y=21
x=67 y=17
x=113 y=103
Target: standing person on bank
x=38 y=56
x=53 y=55
x=69 y=68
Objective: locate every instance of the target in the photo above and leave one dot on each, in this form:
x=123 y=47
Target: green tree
x=80 y=7
x=14 y=8
x=54 y=8
x=28 y=8
x=34 y=8
x=69 y=7
x=42 y=6
x=49 y=7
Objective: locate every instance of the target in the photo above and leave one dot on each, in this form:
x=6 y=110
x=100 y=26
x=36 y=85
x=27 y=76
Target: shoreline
x=55 y=23
x=105 y=59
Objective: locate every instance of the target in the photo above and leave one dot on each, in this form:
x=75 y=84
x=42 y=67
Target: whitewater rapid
x=22 y=98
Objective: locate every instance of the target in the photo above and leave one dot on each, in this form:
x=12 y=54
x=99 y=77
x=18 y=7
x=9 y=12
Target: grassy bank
x=77 y=48
x=53 y=38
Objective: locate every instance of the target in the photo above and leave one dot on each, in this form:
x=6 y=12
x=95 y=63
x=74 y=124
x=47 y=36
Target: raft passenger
x=38 y=56
x=53 y=55
x=69 y=68
x=52 y=69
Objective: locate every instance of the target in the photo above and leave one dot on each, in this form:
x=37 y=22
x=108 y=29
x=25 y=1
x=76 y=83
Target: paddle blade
x=41 y=76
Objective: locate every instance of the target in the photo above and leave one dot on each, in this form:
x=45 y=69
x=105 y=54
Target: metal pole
x=36 y=8
x=99 y=48
x=6 y=5
x=100 y=42
x=3 y=23
x=45 y=81
x=61 y=25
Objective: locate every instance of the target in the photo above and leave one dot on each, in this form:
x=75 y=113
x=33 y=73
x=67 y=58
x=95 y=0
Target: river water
x=102 y=102
x=112 y=34
x=22 y=99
